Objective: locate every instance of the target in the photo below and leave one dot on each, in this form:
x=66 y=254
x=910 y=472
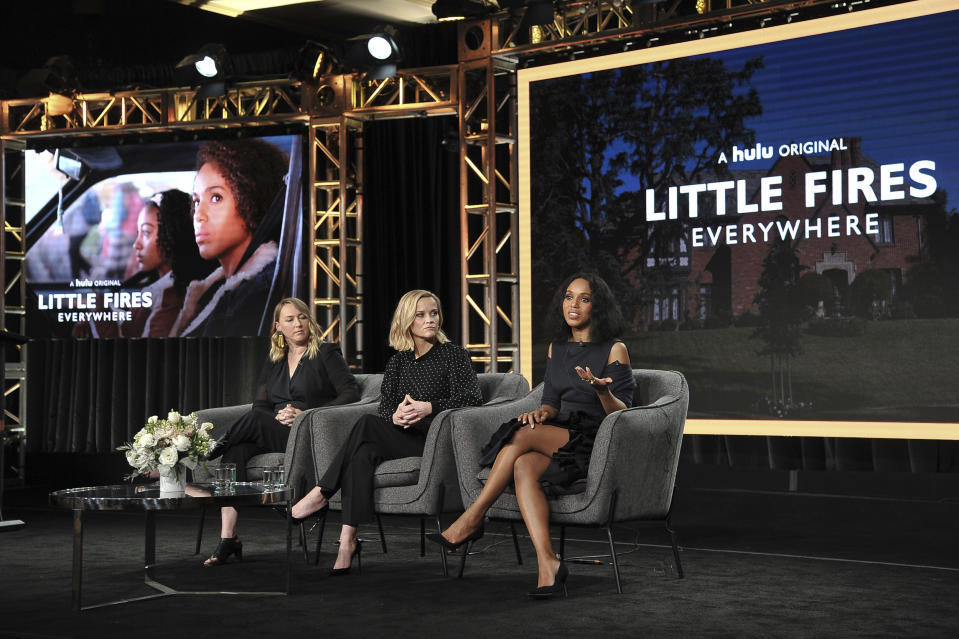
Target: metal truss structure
x=13 y=300
x=479 y=90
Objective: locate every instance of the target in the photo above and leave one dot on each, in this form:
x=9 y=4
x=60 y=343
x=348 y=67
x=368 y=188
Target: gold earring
x=280 y=341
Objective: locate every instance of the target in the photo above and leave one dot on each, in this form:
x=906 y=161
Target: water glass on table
x=279 y=476
x=224 y=476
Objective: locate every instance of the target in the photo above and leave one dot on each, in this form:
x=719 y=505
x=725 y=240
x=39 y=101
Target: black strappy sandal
x=227 y=546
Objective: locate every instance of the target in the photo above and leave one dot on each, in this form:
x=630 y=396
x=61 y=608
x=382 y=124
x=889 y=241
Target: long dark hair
x=606 y=321
x=253 y=170
x=175 y=236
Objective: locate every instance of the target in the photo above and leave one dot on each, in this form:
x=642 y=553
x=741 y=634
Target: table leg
x=289 y=543
x=149 y=545
x=77 y=556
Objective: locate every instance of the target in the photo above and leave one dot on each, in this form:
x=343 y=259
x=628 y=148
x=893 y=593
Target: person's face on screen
x=220 y=231
x=426 y=321
x=577 y=304
x=294 y=325
x=146 y=247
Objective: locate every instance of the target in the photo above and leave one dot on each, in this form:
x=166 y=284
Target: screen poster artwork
x=181 y=239
x=778 y=221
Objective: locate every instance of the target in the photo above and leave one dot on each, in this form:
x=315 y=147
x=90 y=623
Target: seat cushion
x=577 y=487
x=398 y=472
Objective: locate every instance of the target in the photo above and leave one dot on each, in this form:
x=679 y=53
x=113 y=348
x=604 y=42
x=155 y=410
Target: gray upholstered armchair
x=424 y=486
x=632 y=469
x=369 y=394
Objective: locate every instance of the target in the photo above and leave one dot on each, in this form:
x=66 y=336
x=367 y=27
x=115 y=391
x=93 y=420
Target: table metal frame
x=148 y=498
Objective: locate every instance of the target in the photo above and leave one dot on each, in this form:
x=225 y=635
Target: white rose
x=152 y=419
x=168 y=456
x=131 y=457
x=147 y=440
x=173 y=417
x=182 y=443
x=206 y=426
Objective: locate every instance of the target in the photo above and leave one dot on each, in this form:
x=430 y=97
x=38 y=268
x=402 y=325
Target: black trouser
x=372 y=440
x=253 y=434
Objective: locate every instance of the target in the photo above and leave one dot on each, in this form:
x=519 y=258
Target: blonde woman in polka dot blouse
x=427 y=375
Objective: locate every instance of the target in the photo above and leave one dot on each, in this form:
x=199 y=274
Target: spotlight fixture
x=374 y=54
x=212 y=63
x=56 y=76
x=449 y=10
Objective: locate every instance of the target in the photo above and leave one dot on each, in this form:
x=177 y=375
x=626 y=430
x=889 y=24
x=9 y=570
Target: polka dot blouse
x=444 y=377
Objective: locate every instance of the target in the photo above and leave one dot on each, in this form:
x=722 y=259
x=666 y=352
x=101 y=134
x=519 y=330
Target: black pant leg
x=252 y=434
x=372 y=440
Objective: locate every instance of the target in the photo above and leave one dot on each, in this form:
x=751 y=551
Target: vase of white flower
x=173 y=484
x=170 y=446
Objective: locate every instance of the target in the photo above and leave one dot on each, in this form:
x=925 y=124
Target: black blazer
x=326 y=379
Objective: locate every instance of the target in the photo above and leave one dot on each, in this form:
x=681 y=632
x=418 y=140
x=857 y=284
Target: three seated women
x=588 y=376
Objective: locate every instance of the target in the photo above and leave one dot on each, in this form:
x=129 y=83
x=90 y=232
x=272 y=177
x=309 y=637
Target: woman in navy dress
x=427 y=375
x=546 y=450
x=301 y=372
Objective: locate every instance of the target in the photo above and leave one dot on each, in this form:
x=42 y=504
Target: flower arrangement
x=167 y=444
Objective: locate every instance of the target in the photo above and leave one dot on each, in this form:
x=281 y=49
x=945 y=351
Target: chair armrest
x=221 y=417
x=636 y=453
x=471 y=428
x=315 y=437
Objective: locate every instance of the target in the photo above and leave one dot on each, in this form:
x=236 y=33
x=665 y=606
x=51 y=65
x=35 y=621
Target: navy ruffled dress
x=580 y=410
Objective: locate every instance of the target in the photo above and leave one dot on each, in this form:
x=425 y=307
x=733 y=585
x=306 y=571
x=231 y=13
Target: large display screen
x=775 y=212
x=170 y=239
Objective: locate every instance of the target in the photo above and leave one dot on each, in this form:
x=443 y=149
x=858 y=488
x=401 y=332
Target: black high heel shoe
x=559 y=583
x=357 y=555
x=438 y=538
x=227 y=546
x=316 y=514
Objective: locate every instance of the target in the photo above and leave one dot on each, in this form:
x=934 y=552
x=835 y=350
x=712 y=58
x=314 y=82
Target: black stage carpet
x=758 y=564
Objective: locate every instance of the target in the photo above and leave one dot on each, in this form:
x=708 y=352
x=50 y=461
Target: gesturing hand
x=411 y=411
x=600 y=384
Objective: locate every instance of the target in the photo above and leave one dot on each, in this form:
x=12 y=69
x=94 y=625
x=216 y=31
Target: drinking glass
x=267 y=477
x=279 y=476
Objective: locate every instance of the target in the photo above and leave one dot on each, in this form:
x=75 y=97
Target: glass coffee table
x=148 y=498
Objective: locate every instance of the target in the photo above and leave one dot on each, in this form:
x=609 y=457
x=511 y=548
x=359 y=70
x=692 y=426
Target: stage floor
x=757 y=564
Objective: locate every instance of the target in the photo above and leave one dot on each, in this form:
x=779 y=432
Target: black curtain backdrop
x=410 y=225
x=90 y=396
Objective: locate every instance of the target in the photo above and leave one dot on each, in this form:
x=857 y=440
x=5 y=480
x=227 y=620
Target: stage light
x=449 y=10
x=374 y=54
x=56 y=76
x=210 y=61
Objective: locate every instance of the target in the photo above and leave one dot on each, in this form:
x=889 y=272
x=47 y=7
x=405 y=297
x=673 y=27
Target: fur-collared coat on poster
x=236 y=306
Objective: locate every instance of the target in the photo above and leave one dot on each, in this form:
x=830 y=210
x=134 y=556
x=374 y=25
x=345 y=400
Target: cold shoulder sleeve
x=624 y=384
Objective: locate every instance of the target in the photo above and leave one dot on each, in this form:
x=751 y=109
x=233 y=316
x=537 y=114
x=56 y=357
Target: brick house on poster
x=722 y=279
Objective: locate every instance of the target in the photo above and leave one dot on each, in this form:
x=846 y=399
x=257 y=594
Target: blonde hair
x=277 y=352
x=400 y=336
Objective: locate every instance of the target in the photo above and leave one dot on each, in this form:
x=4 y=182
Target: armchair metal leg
x=379 y=524
x=422 y=536
x=319 y=540
x=672 y=539
x=612 y=552
x=612 y=542
x=439 y=529
x=562 y=541
x=303 y=543
x=519 y=555
x=199 y=530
